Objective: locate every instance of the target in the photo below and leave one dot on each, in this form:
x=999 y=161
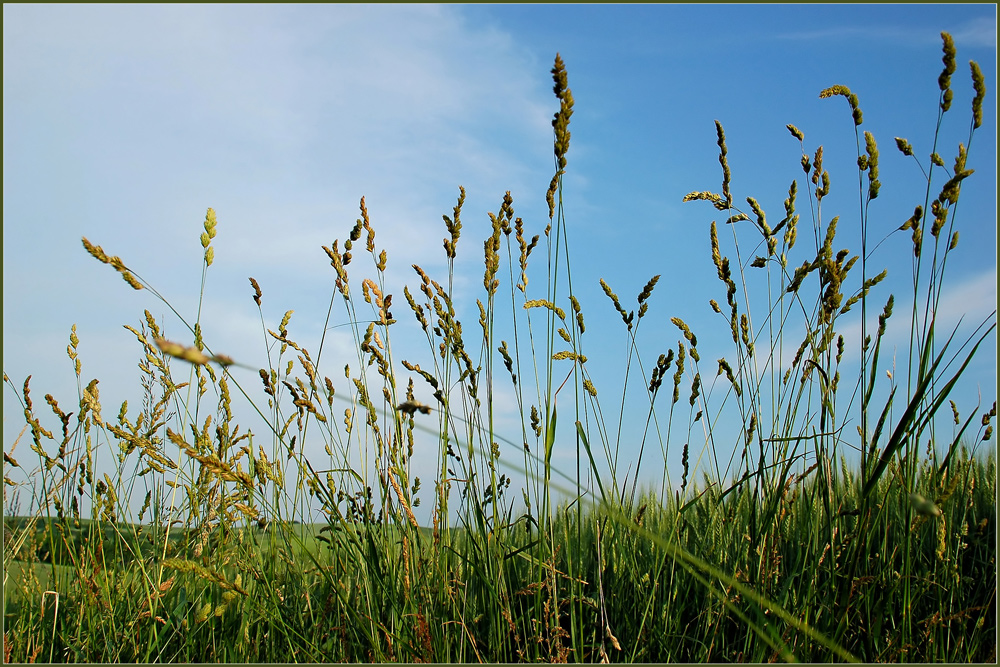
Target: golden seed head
x=831 y=232
x=130 y=279
x=695 y=388
x=256 y=289
x=824 y=190
x=210 y=223
x=96 y=251
x=817 y=165
x=718 y=201
x=545 y=303
x=872 y=150
x=979 y=84
x=852 y=99
x=560 y=121
x=716 y=254
x=647 y=291
x=917 y=241
x=726 y=174
x=569 y=355
x=944 y=80
x=960 y=159
x=607 y=290
x=454 y=225
x=191 y=354
x=761 y=218
x=550 y=199
x=560 y=126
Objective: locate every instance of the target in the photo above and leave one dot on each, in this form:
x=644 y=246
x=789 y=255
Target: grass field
x=859 y=524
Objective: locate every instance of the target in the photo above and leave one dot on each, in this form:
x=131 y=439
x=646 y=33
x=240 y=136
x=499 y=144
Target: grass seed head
x=256 y=291
x=872 y=150
x=979 y=84
x=454 y=225
x=560 y=126
x=904 y=146
x=647 y=291
x=726 y=174
x=852 y=99
x=944 y=80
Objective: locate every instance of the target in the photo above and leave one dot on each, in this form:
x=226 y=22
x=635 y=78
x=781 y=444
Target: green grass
x=49 y=577
x=245 y=550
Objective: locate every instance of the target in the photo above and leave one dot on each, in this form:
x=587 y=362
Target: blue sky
x=124 y=123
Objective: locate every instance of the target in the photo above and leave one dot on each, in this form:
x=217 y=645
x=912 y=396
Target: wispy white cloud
x=310 y=107
x=979 y=32
x=969 y=302
x=281 y=118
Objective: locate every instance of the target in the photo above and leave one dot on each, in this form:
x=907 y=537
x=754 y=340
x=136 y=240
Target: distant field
x=50 y=577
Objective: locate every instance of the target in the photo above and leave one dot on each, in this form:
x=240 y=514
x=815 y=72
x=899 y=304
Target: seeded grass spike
x=560 y=126
x=852 y=99
x=98 y=253
x=944 y=81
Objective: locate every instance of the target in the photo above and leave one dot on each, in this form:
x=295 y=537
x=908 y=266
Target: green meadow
x=857 y=522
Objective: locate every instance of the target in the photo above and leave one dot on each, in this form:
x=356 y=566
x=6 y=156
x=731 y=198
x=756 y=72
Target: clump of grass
x=243 y=549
